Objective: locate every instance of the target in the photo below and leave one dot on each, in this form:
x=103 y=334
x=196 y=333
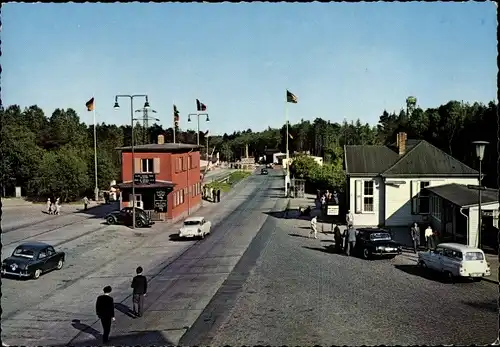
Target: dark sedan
x=31 y=259
x=125 y=217
x=376 y=242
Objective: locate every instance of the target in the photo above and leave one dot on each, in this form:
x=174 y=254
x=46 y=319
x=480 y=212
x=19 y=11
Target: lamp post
x=187 y=181
x=480 y=146
x=198 y=127
x=117 y=107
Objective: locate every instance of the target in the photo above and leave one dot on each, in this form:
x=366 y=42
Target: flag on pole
x=290 y=97
x=206 y=133
x=90 y=105
x=200 y=106
x=176 y=114
x=290 y=136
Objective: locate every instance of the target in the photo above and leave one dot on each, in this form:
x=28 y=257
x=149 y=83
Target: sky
x=341 y=60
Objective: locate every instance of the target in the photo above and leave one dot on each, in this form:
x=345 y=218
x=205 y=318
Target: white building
x=386 y=184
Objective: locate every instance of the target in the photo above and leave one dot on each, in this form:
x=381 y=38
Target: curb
x=490 y=280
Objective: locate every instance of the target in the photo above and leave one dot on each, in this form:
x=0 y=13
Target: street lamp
x=198 y=127
x=480 y=147
x=117 y=107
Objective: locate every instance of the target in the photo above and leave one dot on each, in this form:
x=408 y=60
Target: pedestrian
x=314 y=230
x=428 y=237
x=214 y=195
x=351 y=240
x=105 y=310
x=49 y=206
x=140 y=288
x=323 y=202
x=335 y=197
x=218 y=195
x=349 y=218
x=58 y=207
x=415 y=236
x=338 y=239
x=85 y=203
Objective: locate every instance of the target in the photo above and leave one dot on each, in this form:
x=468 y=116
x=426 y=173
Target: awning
x=128 y=185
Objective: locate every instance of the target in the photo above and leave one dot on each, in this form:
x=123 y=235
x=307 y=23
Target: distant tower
x=145 y=122
x=411 y=103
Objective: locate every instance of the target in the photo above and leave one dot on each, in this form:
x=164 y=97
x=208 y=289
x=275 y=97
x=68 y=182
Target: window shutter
x=414 y=193
x=138 y=168
x=358 y=192
x=156 y=165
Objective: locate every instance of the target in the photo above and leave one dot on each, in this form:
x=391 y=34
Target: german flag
x=90 y=105
x=290 y=97
x=200 y=106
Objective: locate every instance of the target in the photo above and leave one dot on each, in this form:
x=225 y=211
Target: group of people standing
x=211 y=193
x=326 y=197
x=431 y=237
x=105 y=306
x=53 y=206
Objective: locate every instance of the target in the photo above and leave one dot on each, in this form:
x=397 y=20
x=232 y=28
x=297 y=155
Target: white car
x=195 y=227
x=456 y=260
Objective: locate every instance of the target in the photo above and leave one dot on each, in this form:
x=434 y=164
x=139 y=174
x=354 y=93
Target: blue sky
x=349 y=60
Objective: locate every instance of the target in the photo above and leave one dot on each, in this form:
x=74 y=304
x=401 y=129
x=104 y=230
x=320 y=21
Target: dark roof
x=164 y=147
x=462 y=196
x=369 y=159
x=35 y=245
x=420 y=160
x=127 y=185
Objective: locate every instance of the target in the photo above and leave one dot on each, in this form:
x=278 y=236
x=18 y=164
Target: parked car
x=125 y=217
x=264 y=171
x=195 y=227
x=376 y=242
x=32 y=259
x=456 y=260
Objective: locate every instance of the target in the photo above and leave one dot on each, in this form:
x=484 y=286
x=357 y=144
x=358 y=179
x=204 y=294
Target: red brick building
x=167 y=179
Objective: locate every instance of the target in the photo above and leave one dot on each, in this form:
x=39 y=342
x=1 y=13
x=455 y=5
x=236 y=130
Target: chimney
x=401 y=142
x=161 y=139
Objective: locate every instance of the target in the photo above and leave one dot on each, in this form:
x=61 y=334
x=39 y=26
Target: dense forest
x=55 y=155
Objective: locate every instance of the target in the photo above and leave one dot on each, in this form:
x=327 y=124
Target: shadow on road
x=298 y=235
x=325 y=249
x=143 y=338
x=429 y=274
x=125 y=310
x=175 y=237
x=85 y=328
x=491 y=306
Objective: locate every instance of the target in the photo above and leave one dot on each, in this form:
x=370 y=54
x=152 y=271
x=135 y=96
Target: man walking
x=85 y=203
x=338 y=239
x=415 y=236
x=140 y=288
x=49 y=206
x=314 y=230
x=58 y=207
x=349 y=218
x=428 y=237
x=105 y=310
x=218 y=195
x=351 y=240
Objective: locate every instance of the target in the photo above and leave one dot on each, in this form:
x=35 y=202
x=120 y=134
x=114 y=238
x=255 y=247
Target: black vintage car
x=125 y=217
x=31 y=259
x=264 y=171
x=376 y=242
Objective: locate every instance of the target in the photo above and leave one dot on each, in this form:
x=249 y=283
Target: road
x=299 y=293
x=59 y=308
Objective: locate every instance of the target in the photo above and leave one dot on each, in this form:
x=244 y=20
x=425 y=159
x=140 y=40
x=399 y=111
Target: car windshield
x=24 y=252
x=474 y=256
x=380 y=237
x=192 y=222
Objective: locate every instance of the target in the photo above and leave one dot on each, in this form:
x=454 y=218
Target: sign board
x=332 y=210
x=160 y=199
x=160 y=205
x=144 y=178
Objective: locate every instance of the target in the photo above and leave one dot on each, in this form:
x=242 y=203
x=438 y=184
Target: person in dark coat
x=140 y=288
x=105 y=310
x=415 y=236
x=338 y=239
x=218 y=195
x=214 y=195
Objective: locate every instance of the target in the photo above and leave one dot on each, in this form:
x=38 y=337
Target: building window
x=147 y=165
x=423 y=198
x=176 y=201
x=436 y=207
x=190 y=162
x=368 y=196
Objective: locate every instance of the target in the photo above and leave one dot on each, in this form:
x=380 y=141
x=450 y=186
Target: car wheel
x=139 y=224
x=110 y=220
x=37 y=274
x=202 y=236
x=449 y=276
x=60 y=264
x=422 y=264
x=366 y=253
x=477 y=279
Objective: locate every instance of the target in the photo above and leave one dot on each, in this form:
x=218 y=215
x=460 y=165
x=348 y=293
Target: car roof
x=34 y=245
x=194 y=219
x=373 y=230
x=459 y=247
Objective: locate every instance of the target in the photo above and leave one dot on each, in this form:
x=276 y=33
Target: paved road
x=184 y=275
x=298 y=294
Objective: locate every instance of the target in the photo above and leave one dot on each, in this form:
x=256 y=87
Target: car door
x=51 y=258
x=126 y=216
x=447 y=263
x=435 y=259
x=43 y=260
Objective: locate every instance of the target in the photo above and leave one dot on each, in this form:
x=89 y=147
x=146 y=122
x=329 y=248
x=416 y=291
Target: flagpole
x=96 y=190
x=287 y=173
x=173 y=126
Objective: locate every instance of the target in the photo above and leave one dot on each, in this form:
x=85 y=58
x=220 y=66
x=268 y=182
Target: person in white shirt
x=349 y=218
x=428 y=237
x=314 y=229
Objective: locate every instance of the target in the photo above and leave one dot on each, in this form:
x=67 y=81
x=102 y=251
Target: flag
x=200 y=106
x=90 y=105
x=290 y=136
x=206 y=133
x=176 y=114
x=290 y=97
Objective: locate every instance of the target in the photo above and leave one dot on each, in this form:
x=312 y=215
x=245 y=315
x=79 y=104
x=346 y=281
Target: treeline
x=55 y=155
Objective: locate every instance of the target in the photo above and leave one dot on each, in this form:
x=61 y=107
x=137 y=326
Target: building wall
x=187 y=192
x=355 y=193
x=163 y=173
x=474 y=220
x=398 y=206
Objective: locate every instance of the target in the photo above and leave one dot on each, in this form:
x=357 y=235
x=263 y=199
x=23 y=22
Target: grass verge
x=234 y=178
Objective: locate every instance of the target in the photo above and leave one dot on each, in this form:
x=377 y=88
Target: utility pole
x=145 y=122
